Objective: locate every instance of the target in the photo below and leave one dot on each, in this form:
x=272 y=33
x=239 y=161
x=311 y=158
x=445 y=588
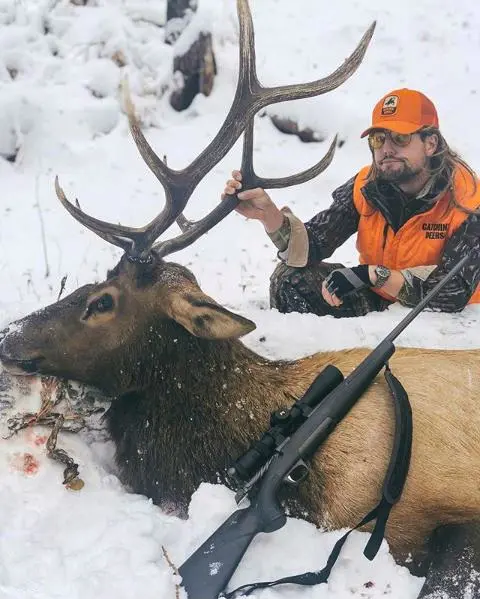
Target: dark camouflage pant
x=300 y=290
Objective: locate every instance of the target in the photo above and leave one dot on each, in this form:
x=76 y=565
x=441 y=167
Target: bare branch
x=42 y=228
x=174 y=568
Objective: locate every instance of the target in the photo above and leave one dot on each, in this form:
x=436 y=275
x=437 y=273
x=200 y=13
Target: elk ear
x=203 y=317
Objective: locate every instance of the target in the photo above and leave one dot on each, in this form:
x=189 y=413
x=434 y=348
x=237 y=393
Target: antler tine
x=158 y=167
x=135 y=241
x=192 y=230
x=250 y=178
x=247 y=67
x=176 y=185
x=183 y=223
x=301 y=177
x=284 y=93
x=115 y=234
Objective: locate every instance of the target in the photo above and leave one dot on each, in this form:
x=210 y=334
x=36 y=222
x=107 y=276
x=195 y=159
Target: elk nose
x=6 y=338
x=15 y=359
x=3 y=345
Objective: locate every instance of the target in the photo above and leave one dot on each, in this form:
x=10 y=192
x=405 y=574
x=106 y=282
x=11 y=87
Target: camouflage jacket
x=330 y=228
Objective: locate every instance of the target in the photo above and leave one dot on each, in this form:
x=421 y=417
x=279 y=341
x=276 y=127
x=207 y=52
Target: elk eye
x=102 y=304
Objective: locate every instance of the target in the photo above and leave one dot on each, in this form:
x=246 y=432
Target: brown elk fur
x=189 y=398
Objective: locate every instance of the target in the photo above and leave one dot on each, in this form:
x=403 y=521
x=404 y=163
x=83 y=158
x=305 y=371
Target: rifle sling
x=391 y=492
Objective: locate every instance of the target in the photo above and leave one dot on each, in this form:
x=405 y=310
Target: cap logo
x=390 y=105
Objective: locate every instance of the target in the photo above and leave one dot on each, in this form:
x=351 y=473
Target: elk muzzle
x=15 y=355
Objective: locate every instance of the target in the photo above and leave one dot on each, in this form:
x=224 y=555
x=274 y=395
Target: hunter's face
x=402 y=163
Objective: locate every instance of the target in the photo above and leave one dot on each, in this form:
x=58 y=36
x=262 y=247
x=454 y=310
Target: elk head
x=93 y=333
x=99 y=333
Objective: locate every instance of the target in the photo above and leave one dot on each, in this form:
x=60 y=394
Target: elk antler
x=250 y=97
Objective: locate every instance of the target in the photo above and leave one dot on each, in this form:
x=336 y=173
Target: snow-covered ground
x=60 y=111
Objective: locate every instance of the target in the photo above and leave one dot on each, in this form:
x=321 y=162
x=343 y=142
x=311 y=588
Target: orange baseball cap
x=403 y=111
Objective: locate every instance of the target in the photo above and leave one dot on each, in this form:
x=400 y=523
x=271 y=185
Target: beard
x=402 y=173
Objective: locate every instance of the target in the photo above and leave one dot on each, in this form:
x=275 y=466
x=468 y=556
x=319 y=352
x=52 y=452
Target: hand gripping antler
x=250 y=97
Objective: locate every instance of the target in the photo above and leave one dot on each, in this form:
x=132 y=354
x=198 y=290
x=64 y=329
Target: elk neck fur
x=190 y=413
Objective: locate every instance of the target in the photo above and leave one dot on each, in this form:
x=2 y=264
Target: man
x=415 y=209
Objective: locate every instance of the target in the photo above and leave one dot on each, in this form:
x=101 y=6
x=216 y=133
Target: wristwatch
x=383 y=274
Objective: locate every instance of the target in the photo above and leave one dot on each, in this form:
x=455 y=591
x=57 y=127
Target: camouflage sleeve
x=281 y=236
x=458 y=291
x=328 y=229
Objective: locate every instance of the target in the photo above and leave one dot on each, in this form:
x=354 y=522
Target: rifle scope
x=283 y=423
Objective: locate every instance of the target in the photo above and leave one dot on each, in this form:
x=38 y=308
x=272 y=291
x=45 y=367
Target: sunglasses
x=376 y=139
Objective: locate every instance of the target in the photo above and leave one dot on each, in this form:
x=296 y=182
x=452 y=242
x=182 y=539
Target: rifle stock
x=206 y=572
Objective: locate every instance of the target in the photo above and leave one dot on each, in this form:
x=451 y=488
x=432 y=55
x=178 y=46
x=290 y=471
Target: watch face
x=382 y=271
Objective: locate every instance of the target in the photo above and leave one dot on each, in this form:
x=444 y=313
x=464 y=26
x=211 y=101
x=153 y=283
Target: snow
x=60 y=108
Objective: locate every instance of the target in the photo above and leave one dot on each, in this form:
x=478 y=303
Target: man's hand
x=342 y=281
x=254 y=203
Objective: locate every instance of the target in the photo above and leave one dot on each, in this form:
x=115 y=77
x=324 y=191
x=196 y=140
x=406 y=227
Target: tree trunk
x=176 y=9
x=196 y=69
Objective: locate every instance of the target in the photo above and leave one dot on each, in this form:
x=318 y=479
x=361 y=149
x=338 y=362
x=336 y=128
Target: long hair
x=443 y=165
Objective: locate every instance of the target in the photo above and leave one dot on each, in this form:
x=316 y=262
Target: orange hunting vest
x=421 y=240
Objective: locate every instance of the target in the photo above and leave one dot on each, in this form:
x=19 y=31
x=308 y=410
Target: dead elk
x=189 y=396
